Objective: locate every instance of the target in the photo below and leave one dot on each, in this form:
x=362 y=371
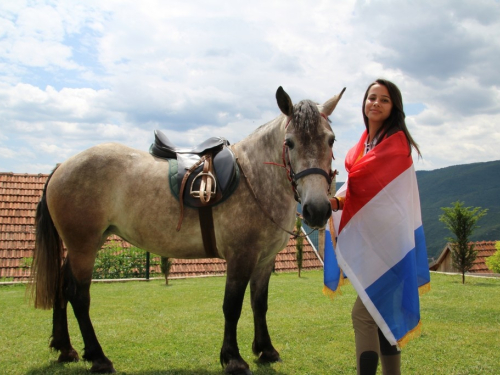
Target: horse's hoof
x=102 y=367
x=240 y=372
x=265 y=361
x=269 y=357
x=237 y=368
x=68 y=356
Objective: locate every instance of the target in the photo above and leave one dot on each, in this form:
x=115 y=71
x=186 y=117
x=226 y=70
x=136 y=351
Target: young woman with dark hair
x=395 y=121
x=367 y=200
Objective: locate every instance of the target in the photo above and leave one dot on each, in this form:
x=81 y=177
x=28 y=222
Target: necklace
x=369 y=145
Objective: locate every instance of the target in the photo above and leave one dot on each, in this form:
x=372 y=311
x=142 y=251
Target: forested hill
x=477 y=185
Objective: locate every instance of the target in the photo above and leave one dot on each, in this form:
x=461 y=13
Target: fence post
x=147 y=265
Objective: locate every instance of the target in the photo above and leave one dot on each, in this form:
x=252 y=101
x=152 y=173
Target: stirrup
x=199 y=193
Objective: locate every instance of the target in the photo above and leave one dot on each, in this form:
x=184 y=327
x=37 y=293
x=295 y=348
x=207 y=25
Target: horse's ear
x=284 y=102
x=330 y=104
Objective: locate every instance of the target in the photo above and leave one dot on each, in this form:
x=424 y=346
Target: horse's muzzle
x=316 y=214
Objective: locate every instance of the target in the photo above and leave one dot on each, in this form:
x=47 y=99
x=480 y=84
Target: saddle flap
x=225 y=168
x=226 y=174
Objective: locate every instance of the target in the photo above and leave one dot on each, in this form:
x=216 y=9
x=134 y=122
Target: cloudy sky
x=78 y=73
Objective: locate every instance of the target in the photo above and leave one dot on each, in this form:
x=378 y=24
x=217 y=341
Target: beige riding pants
x=370 y=340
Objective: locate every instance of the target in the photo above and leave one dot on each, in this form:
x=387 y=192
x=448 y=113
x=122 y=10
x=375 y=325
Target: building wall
x=447 y=264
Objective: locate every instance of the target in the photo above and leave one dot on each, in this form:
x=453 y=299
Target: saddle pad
x=227 y=176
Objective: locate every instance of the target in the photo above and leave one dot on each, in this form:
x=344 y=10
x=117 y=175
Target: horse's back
x=99 y=170
x=89 y=188
x=104 y=159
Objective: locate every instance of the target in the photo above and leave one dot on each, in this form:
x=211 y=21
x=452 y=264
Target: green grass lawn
x=149 y=328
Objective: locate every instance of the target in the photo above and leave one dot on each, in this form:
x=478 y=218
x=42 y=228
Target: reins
x=262 y=208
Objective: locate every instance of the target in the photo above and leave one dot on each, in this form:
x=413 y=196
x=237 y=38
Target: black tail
x=47 y=257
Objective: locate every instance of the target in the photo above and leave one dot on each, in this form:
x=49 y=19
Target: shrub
x=116 y=262
x=493 y=262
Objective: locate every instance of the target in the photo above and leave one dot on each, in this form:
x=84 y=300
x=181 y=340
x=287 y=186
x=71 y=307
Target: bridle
x=295 y=177
x=292 y=177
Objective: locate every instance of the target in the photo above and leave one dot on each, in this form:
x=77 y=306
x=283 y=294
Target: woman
x=380 y=244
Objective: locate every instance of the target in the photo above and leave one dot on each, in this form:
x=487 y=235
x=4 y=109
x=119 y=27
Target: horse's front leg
x=238 y=276
x=259 y=287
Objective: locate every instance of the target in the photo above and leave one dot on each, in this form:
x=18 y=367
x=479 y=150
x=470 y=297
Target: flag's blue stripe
x=331 y=267
x=395 y=293
x=423 y=274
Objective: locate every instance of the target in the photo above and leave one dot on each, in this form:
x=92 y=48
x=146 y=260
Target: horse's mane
x=305 y=115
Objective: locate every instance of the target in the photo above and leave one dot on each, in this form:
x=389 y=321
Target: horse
x=113 y=189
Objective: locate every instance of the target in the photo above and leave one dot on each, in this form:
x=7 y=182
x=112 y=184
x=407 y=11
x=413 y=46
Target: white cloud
x=76 y=74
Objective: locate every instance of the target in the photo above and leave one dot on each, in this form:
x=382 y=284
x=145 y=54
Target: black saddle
x=211 y=160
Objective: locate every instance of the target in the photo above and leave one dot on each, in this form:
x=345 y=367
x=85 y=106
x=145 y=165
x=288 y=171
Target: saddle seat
x=211 y=159
x=165 y=149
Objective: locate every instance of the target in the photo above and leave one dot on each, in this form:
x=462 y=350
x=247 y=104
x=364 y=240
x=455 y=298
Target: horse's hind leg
x=60 y=335
x=77 y=292
x=259 y=287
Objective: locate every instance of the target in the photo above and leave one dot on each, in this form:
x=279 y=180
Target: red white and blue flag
x=380 y=243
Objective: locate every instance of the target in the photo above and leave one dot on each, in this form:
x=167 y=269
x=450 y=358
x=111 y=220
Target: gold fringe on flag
x=424 y=289
x=331 y=293
x=413 y=334
x=338 y=292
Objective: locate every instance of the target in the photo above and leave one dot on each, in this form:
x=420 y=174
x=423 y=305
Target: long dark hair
x=396 y=120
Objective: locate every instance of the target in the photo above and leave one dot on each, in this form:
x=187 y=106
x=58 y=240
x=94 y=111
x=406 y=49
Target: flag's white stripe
x=377 y=317
x=383 y=229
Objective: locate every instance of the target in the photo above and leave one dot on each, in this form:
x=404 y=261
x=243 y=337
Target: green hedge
x=116 y=262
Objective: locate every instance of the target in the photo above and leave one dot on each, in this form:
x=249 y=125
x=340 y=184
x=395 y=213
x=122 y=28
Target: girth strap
x=207 y=232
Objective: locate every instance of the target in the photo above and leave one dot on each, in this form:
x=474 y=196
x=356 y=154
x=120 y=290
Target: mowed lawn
x=149 y=328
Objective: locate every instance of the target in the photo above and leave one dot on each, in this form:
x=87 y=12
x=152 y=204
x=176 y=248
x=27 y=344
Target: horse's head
x=307 y=154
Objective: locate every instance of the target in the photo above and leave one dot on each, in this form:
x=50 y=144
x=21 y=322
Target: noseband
x=295 y=177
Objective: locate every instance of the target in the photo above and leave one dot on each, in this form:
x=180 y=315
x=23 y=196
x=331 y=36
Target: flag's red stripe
x=371 y=173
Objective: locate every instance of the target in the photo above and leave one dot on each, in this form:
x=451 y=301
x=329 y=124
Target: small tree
x=461 y=221
x=493 y=262
x=299 y=243
x=166 y=264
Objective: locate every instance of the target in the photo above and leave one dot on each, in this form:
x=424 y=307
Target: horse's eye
x=289 y=143
x=331 y=141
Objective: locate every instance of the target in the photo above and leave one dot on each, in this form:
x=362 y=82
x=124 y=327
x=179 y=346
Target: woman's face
x=378 y=106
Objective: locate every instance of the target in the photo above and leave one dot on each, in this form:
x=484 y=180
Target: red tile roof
x=19 y=196
x=484 y=250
